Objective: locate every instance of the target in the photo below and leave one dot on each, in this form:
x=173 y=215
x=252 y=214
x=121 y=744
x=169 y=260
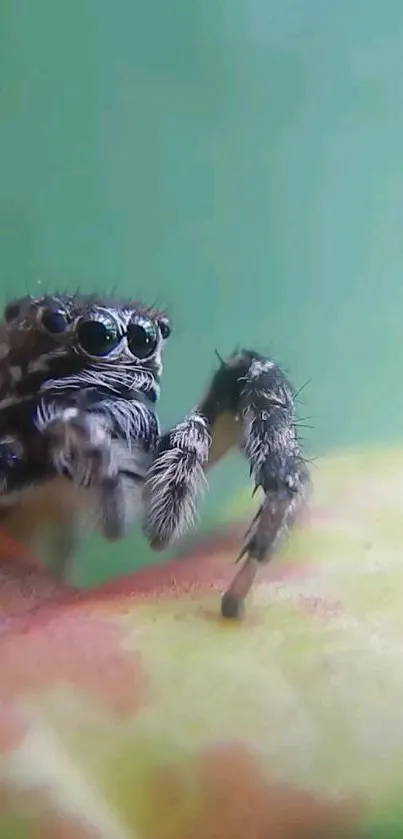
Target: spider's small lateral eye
x=142 y=337
x=98 y=336
x=165 y=327
x=54 y=320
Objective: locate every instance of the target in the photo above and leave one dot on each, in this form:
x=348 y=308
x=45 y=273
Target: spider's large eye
x=142 y=337
x=98 y=337
x=54 y=319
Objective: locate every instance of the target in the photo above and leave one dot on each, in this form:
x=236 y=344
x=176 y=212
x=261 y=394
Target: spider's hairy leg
x=250 y=404
x=175 y=480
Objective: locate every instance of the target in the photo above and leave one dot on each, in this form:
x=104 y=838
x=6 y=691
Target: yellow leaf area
x=136 y=711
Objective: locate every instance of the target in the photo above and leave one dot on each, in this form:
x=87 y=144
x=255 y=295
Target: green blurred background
x=238 y=160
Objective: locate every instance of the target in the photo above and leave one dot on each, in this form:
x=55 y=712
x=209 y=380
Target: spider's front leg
x=250 y=405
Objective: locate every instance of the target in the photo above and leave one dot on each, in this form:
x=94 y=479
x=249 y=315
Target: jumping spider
x=79 y=381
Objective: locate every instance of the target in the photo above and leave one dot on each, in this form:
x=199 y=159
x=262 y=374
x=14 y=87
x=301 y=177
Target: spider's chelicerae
x=79 y=381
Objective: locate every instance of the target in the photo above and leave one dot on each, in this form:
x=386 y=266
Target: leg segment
x=249 y=405
x=175 y=481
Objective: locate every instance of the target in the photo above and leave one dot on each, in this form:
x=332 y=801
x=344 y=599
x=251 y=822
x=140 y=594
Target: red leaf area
x=24 y=588
x=208 y=567
x=74 y=649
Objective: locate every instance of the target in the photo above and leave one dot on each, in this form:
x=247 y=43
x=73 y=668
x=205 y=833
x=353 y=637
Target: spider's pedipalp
x=81 y=447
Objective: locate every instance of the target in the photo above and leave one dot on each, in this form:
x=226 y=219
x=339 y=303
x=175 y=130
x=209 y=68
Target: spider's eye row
x=54 y=320
x=99 y=334
x=142 y=337
x=98 y=337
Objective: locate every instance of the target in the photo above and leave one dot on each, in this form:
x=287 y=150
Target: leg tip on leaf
x=232 y=606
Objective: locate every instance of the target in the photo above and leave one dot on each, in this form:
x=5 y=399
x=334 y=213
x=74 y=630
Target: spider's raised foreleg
x=261 y=405
x=250 y=405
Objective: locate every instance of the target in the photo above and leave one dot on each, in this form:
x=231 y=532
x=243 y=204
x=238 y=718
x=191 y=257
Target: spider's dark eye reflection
x=98 y=337
x=54 y=320
x=142 y=337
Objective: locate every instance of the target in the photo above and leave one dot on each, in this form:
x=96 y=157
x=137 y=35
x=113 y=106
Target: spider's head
x=73 y=341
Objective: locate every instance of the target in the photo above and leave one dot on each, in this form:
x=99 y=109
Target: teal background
x=238 y=160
